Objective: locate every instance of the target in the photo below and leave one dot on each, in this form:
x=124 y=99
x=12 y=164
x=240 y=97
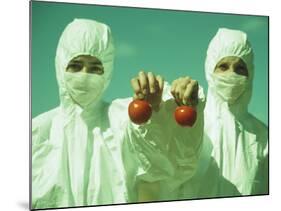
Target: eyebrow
x=75 y=61
x=92 y=63
x=241 y=65
x=96 y=62
x=222 y=63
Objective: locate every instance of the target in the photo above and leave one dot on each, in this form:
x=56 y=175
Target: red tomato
x=185 y=115
x=139 y=111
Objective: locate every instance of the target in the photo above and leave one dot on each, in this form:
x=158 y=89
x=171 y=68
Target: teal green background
x=166 y=42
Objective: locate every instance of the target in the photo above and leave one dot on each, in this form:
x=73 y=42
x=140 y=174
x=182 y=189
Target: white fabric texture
x=239 y=140
x=93 y=155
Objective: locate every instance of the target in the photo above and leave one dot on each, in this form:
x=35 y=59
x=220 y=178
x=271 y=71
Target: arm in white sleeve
x=185 y=142
x=40 y=149
x=143 y=150
x=149 y=142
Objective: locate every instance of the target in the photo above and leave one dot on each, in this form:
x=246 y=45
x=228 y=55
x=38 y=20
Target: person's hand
x=147 y=86
x=185 y=91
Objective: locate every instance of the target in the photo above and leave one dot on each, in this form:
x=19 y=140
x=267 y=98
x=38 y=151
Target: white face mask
x=84 y=88
x=229 y=86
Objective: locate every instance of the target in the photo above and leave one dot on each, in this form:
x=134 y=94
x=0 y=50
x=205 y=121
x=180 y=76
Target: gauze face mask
x=84 y=88
x=229 y=86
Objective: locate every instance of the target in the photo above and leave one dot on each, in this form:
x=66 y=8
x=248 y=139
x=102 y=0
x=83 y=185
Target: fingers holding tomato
x=185 y=91
x=147 y=86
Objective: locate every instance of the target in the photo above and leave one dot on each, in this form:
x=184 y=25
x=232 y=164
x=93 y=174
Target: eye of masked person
x=86 y=64
x=231 y=64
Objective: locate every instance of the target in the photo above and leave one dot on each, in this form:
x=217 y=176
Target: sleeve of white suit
x=40 y=149
x=261 y=179
x=185 y=143
x=143 y=149
x=148 y=141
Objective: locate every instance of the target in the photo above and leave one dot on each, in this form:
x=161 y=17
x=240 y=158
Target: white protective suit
x=239 y=140
x=94 y=155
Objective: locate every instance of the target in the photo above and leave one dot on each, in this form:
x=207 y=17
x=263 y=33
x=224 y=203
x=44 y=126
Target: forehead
x=231 y=59
x=86 y=58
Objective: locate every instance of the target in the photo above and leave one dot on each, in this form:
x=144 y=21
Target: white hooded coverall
x=239 y=140
x=94 y=155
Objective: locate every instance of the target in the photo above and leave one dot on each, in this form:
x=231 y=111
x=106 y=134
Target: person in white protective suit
x=239 y=141
x=87 y=151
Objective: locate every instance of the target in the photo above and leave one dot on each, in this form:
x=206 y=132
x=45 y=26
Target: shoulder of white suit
x=118 y=111
x=45 y=119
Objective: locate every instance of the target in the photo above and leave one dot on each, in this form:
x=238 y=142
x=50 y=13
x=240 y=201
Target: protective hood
x=226 y=43
x=84 y=37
